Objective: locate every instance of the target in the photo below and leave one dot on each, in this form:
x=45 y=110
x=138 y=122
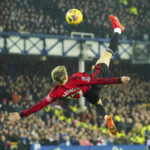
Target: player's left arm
x=92 y=81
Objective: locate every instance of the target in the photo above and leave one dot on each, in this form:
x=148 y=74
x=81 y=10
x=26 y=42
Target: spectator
x=35 y=145
x=66 y=141
x=3 y=143
x=85 y=142
x=148 y=142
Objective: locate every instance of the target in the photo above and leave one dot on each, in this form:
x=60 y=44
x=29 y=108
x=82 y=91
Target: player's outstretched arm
x=92 y=81
x=38 y=106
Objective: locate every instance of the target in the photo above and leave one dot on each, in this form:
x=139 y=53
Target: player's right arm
x=38 y=106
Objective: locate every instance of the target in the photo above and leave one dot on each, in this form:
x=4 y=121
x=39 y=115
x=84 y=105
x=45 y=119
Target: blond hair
x=59 y=74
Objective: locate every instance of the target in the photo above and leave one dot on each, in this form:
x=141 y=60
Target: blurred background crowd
x=64 y=122
x=24 y=80
x=47 y=16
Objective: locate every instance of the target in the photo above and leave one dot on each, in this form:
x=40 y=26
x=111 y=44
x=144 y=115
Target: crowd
x=37 y=16
x=64 y=122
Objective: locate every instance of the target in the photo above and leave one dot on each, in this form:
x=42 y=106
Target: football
x=74 y=17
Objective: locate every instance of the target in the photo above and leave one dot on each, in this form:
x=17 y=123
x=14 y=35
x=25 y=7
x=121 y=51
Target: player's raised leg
x=111 y=50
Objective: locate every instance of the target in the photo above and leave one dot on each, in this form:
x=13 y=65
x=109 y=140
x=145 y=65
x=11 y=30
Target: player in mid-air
x=83 y=84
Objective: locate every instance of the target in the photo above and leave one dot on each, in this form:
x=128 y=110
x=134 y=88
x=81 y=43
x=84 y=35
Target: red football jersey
x=76 y=87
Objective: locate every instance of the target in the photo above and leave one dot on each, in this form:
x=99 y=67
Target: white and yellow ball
x=74 y=17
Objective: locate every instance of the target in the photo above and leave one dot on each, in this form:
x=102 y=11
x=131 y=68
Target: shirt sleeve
x=38 y=106
x=91 y=81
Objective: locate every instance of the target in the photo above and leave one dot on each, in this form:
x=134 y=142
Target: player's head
x=59 y=74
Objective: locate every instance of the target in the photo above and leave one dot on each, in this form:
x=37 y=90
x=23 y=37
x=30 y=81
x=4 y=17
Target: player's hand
x=125 y=79
x=14 y=117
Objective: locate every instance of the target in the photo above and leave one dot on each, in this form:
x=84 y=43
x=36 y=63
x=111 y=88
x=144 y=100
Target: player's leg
x=103 y=71
x=104 y=61
x=111 y=50
x=93 y=97
x=108 y=118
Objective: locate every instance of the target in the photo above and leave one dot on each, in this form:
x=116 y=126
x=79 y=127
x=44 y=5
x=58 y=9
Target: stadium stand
x=36 y=16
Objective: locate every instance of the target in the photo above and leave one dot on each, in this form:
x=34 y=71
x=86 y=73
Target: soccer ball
x=74 y=17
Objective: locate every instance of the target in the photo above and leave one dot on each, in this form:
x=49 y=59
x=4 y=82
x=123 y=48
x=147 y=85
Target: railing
x=41 y=44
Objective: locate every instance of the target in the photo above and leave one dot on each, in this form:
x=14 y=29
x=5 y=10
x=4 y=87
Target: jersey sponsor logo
x=86 y=79
x=49 y=99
